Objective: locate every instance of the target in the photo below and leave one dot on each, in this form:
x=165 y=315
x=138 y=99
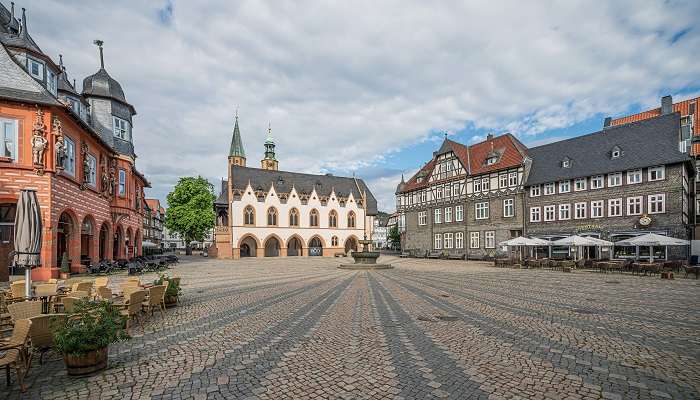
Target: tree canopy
x=191 y=209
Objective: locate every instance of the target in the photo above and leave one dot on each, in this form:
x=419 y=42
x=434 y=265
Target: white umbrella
x=575 y=240
x=524 y=241
x=28 y=235
x=651 y=240
x=148 y=244
x=601 y=242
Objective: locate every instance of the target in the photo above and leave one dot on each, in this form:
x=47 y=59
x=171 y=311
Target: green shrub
x=173 y=289
x=94 y=326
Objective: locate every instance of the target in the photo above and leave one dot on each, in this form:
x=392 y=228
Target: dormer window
x=35 y=68
x=51 y=82
x=491 y=160
x=121 y=128
x=566 y=163
x=616 y=152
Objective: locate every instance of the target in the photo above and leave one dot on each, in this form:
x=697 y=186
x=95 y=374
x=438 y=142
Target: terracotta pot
x=87 y=363
x=170 y=301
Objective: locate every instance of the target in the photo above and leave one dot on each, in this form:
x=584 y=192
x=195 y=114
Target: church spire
x=269 y=162
x=236 y=154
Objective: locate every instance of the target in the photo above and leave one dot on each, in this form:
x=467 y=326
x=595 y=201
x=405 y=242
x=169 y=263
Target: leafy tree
x=394 y=237
x=191 y=209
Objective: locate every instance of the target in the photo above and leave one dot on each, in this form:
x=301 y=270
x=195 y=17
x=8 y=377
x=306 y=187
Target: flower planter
x=86 y=364
x=170 y=301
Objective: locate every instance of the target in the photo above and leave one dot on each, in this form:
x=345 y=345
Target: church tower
x=269 y=162
x=236 y=155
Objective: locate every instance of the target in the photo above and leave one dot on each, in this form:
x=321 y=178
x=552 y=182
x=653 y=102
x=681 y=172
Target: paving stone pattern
x=299 y=328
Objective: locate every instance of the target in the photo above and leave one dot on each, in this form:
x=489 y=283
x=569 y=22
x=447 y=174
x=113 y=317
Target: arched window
x=293 y=217
x=351 y=219
x=313 y=218
x=333 y=219
x=272 y=216
x=334 y=241
x=249 y=216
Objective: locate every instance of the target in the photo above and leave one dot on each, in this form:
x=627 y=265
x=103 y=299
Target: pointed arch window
x=334 y=241
x=294 y=217
x=313 y=218
x=351 y=219
x=272 y=216
x=333 y=219
x=249 y=216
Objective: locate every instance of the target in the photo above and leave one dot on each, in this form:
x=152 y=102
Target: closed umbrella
x=28 y=235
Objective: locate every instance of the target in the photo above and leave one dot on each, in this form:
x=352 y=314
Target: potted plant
x=65 y=267
x=84 y=336
x=172 y=292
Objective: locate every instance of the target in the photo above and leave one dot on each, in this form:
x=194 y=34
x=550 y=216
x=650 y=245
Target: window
x=549 y=213
x=566 y=163
x=508 y=208
x=614 y=207
x=564 y=211
x=456 y=189
x=438 y=193
x=333 y=219
x=8 y=146
x=597 y=182
x=121 y=128
x=459 y=240
x=535 y=214
x=477 y=185
x=534 y=191
x=513 y=179
x=438 y=216
x=548 y=189
x=351 y=219
x=634 y=176
x=294 y=217
x=313 y=218
x=448 y=214
x=92 y=173
x=580 y=184
x=272 y=216
x=334 y=241
x=615 y=153
x=485 y=184
x=69 y=161
x=51 y=82
x=459 y=213
x=491 y=160
x=597 y=209
x=422 y=218
x=580 y=211
x=423 y=196
x=657 y=173
x=634 y=205
x=438 y=241
x=449 y=242
x=122 y=182
x=490 y=239
x=564 y=186
x=482 y=210
x=36 y=69
x=657 y=203
x=615 y=179
x=503 y=181
x=474 y=240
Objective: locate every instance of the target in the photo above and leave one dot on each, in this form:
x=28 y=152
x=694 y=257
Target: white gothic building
x=264 y=212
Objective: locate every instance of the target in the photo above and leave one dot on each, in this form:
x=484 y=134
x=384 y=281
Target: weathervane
x=99 y=44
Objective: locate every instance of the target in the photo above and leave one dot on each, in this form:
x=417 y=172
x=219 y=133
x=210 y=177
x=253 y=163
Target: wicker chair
x=84 y=286
x=104 y=293
x=16 y=353
x=134 y=280
x=101 y=282
x=41 y=332
x=17 y=290
x=128 y=290
x=156 y=299
x=132 y=307
x=69 y=304
x=24 y=310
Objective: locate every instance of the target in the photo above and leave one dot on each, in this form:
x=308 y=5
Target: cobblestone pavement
x=298 y=328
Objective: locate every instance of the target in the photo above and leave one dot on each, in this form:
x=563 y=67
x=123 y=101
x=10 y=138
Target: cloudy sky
x=368 y=87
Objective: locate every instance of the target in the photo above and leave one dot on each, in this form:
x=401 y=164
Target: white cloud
x=345 y=82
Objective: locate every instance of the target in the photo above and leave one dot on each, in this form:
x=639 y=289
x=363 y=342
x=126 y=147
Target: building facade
x=73 y=148
x=380 y=233
x=466 y=199
x=265 y=212
x=154 y=216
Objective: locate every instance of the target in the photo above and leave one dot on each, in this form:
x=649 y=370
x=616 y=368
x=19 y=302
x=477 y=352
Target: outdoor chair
x=132 y=307
x=101 y=281
x=156 y=299
x=24 y=310
x=104 y=293
x=15 y=353
x=128 y=290
x=133 y=280
x=69 y=304
x=84 y=286
x=80 y=294
x=17 y=290
x=41 y=333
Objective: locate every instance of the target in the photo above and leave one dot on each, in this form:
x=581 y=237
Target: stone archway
x=118 y=243
x=350 y=244
x=248 y=246
x=87 y=240
x=103 y=239
x=272 y=247
x=294 y=246
x=129 y=244
x=66 y=229
x=315 y=246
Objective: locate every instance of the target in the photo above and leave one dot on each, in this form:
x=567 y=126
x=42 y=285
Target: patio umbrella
x=651 y=240
x=28 y=235
x=524 y=241
x=575 y=240
x=601 y=242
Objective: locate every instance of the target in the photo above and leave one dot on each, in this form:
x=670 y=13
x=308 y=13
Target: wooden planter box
x=87 y=363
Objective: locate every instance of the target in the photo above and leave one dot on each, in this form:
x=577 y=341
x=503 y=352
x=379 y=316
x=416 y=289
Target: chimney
x=607 y=122
x=666 y=105
x=489 y=136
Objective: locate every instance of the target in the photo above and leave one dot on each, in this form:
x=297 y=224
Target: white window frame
x=422 y=218
x=39 y=75
x=633 y=203
x=615 y=207
x=437 y=242
x=459 y=213
x=69 y=161
x=535 y=214
x=476 y=186
x=52 y=82
x=597 y=182
x=481 y=210
x=474 y=241
x=565 y=186
x=535 y=191
x=490 y=239
x=14 y=133
x=459 y=240
x=660 y=173
x=485 y=184
x=448 y=214
x=580 y=210
x=615 y=179
x=637 y=173
x=654 y=200
x=512 y=179
x=448 y=240
x=121 y=128
x=549 y=189
x=122 y=183
x=503 y=181
x=437 y=216
x=579 y=184
x=564 y=212
x=508 y=208
x=599 y=206
x=550 y=210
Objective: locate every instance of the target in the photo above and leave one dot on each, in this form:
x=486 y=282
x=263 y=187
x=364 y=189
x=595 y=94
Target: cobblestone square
x=295 y=328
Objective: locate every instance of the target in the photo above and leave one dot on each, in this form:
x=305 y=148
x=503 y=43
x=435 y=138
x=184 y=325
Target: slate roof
x=283 y=182
x=16 y=84
x=236 y=149
x=103 y=85
x=11 y=35
x=645 y=143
